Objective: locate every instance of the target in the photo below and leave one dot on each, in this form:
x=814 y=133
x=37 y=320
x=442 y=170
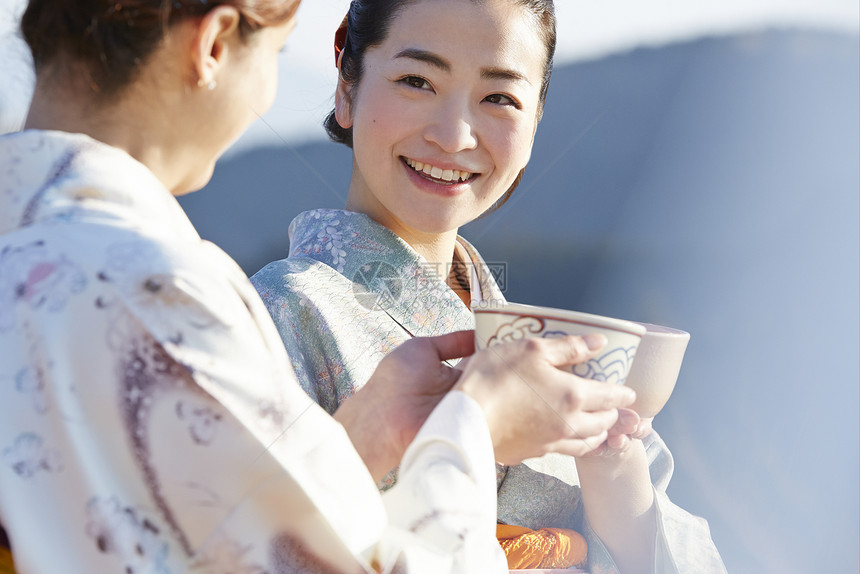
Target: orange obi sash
x=6 y=564
x=543 y=548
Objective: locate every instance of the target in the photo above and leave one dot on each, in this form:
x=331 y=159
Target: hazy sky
x=587 y=29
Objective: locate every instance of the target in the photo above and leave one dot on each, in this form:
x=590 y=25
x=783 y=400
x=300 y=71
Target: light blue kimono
x=351 y=291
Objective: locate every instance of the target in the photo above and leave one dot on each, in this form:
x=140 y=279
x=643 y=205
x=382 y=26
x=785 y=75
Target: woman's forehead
x=490 y=33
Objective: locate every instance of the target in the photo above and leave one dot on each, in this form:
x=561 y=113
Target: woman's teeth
x=438 y=173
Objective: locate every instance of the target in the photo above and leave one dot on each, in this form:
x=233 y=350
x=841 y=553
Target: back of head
x=109 y=40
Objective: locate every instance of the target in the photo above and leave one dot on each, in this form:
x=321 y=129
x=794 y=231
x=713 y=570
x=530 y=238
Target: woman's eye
x=415 y=82
x=502 y=100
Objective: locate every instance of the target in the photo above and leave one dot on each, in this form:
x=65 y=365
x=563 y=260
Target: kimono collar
x=393 y=275
x=58 y=176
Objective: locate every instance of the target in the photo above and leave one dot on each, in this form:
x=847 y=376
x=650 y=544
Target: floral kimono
x=352 y=290
x=149 y=418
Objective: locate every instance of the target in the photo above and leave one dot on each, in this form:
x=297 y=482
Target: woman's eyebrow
x=424 y=56
x=441 y=63
x=504 y=74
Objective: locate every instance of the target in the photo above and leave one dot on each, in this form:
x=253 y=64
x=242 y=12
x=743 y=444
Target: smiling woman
x=439 y=101
x=450 y=102
x=523 y=66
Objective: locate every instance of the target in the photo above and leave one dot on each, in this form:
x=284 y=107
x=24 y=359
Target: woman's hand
x=617 y=493
x=533 y=406
x=628 y=428
x=383 y=417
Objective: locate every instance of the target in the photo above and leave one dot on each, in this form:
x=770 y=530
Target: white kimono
x=149 y=418
x=351 y=290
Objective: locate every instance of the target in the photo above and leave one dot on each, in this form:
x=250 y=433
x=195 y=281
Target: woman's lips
x=436 y=174
x=437 y=186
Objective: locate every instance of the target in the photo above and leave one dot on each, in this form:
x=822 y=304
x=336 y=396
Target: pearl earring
x=210 y=86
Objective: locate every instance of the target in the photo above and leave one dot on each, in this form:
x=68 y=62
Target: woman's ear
x=217 y=33
x=342 y=99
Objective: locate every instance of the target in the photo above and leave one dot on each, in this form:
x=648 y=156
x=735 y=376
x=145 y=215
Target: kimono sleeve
x=232 y=451
x=683 y=545
x=546 y=492
x=443 y=507
x=292 y=315
x=309 y=494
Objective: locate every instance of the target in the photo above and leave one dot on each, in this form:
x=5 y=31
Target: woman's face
x=444 y=116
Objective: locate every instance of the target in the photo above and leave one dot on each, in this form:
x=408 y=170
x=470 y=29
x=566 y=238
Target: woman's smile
x=436 y=180
x=442 y=175
x=444 y=181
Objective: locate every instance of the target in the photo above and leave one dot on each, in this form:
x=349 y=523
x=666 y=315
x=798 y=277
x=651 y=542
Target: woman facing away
x=149 y=417
x=440 y=100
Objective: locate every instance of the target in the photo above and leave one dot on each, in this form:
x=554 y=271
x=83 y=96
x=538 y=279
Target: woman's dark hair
x=112 y=38
x=367 y=24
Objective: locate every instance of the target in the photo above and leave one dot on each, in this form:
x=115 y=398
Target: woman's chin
x=440 y=223
x=194 y=181
x=429 y=226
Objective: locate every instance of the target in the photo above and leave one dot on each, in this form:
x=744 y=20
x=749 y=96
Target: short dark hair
x=113 y=38
x=367 y=26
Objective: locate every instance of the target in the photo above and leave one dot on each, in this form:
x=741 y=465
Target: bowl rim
x=657 y=330
x=566 y=315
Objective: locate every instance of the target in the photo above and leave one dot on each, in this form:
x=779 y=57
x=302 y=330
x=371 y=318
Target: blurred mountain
x=714 y=186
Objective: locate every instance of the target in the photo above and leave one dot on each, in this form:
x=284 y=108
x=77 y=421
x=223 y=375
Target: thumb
x=453 y=345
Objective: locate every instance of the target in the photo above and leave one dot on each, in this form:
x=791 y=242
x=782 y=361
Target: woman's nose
x=453 y=128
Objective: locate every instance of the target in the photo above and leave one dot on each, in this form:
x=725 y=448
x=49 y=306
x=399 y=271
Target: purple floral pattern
x=37 y=277
x=30 y=380
x=127 y=533
x=203 y=420
x=327 y=238
x=28 y=456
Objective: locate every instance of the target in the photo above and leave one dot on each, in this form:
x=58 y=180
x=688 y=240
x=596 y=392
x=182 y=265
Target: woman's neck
x=460 y=275
x=437 y=249
x=128 y=122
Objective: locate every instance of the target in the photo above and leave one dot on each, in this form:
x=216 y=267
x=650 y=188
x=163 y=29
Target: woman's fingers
x=617 y=442
x=585 y=424
x=643 y=429
x=580 y=446
x=452 y=345
x=628 y=427
x=594 y=396
x=627 y=424
x=533 y=407
x=571 y=350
